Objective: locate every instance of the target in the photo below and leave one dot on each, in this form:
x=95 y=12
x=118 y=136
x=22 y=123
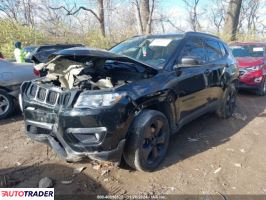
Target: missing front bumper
x=47 y=133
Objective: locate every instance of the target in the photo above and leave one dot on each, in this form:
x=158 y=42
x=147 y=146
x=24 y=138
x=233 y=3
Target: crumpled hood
x=96 y=54
x=249 y=61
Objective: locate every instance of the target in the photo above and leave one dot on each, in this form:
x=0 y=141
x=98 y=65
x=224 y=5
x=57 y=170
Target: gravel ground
x=208 y=156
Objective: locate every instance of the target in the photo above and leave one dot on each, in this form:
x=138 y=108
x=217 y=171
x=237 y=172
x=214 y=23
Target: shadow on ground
x=206 y=132
x=65 y=181
x=16 y=116
x=209 y=131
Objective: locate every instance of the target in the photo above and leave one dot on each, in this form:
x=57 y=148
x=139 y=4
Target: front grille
x=52 y=97
x=66 y=99
x=42 y=131
x=33 y=90
x=41 y=94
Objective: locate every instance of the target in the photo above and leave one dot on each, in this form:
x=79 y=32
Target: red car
x=251 y=57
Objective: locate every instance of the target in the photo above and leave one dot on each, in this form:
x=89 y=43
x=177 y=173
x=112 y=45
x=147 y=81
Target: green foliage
x=96 y=40
x=243 y=37
x=11 y=31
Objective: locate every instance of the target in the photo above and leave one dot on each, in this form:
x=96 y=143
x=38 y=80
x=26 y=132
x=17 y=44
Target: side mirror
x=188 y=61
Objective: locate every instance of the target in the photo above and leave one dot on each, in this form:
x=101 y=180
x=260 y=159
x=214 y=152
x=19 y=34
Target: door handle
x=207 y=72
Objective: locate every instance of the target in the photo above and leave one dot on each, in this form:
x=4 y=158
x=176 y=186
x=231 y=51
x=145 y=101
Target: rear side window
x=213 y=50
x=223 y=49
x=194 y=48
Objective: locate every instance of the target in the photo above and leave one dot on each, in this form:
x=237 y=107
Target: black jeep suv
x=126 y=102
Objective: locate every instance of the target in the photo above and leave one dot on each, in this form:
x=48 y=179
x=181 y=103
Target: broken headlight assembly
x=88 y=100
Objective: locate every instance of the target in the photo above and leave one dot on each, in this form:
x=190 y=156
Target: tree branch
x=70 y=12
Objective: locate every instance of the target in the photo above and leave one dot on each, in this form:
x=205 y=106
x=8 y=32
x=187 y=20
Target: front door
x=193 y=79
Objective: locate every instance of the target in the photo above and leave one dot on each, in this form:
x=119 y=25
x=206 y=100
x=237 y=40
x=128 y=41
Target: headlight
x=87 y=100
x=254 y=68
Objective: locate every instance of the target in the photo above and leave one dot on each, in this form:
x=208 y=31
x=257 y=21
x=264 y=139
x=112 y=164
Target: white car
x=12 y=75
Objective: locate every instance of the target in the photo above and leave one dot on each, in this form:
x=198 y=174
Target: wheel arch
x=163 y=102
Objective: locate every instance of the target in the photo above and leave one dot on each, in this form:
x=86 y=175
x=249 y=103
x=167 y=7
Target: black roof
x=192 y=33
x=181 y=34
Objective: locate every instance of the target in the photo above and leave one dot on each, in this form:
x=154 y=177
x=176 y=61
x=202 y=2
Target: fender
x=163 y=101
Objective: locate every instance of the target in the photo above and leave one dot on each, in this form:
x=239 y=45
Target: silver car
x=11 y=77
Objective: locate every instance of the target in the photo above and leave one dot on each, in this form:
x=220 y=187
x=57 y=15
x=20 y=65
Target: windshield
x=247 y=51
x=29 y=49
x=151 y=50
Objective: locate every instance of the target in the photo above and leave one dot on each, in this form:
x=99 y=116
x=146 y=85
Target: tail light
x=37 y=72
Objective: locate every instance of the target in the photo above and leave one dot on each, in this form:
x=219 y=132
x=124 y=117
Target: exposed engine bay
x=91 y=74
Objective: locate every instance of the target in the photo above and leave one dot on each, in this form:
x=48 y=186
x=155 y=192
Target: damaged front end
x=80 y=108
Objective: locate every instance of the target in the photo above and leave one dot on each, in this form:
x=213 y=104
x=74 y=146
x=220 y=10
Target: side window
x=223 y=50
x=213 y=50
x=193 y=48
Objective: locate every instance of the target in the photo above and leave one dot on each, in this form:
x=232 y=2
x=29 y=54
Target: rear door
x=192 y=83
x=216 y=62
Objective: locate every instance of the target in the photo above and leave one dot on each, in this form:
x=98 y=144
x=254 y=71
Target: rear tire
x=262 y=88
x=228 y=103
x=148 y=141
x=6 y=104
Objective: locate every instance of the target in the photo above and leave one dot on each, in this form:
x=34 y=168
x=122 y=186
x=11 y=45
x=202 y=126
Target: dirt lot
x=209 y=156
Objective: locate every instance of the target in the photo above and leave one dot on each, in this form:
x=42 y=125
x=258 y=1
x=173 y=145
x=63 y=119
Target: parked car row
x=125 y=103
x=251 y=59
x=38 y=54
x=12 y=75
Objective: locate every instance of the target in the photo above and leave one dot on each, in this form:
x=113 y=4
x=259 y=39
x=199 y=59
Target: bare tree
x=192 y=7
x=249 y=15
x=28 y=12
x=10 y=8
x=99 y=16
x=144 y=12
x=232 y=19
x=217 y=14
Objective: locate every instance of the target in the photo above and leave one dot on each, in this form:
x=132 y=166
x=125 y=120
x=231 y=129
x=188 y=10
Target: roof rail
x=201 y=33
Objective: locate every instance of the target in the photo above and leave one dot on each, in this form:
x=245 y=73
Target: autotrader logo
x=27 y=193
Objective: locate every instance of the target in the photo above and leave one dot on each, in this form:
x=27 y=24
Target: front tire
x=6 y=104
x=262 y=88
x=228 y=103
x=148 y=141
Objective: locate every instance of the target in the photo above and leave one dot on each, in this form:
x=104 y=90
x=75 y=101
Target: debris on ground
x=18 y=163
x=237 y=165
x=217 y=170
x=78 y=170
x=97 y=167
x=239 y=116
x=46 y=182
x=106 y=171
x=230 y=149
x=193 y=139
x=242 y=150
x=67 y=182
x=108 y=165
